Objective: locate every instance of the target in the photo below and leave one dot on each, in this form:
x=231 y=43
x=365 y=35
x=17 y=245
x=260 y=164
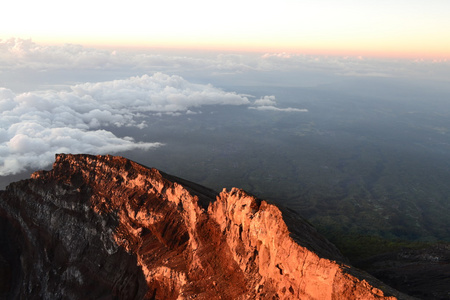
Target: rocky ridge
x=106 y=227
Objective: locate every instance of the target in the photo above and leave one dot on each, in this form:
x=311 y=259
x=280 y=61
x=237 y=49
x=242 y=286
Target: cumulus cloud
x=268 y=103
x=36 y=125
x=157 y=93
x=266 y=100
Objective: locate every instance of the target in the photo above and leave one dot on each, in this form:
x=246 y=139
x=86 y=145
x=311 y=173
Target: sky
x=414 y=28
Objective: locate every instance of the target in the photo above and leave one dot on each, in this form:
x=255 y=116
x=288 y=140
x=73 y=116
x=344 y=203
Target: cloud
x=68 y=64
x=157 y=93
x=266 y=100
x=20 y=53
x=24 y=54
x=274 y=108
x=36 y=125
x=268 y=103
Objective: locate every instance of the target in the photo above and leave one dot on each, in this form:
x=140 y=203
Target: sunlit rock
x=106 y=227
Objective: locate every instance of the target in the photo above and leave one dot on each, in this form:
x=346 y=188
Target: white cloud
x=36 y=125
x=20 y=53
x=157 y=93
x=268 y=103
x=266 y=100
x=274 y=108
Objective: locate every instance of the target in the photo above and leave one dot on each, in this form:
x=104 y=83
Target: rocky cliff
x=106 y=227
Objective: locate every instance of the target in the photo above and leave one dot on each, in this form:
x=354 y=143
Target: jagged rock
x=106 y=227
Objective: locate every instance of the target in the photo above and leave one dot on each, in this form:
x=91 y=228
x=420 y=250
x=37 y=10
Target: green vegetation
x=359 y=247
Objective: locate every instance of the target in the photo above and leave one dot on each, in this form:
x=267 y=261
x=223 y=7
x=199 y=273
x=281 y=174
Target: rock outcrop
x=106 y=227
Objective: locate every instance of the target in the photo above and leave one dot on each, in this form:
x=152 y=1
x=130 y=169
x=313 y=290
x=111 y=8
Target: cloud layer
x=19 y=54
x=36 y=125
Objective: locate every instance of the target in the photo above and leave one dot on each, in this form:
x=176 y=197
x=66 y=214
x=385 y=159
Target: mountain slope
x=106 y=227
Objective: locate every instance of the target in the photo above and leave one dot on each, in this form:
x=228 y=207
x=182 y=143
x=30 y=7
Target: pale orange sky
x=348 y=27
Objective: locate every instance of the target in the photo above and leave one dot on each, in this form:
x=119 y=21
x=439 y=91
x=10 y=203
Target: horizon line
x=263 y=48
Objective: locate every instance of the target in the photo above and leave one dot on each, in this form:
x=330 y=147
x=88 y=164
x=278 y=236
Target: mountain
x=104 y=227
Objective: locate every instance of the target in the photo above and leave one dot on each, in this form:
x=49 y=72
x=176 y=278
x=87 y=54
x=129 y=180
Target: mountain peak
x=105 y=226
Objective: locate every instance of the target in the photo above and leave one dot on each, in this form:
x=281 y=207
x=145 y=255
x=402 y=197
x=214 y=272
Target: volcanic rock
x=104 y=227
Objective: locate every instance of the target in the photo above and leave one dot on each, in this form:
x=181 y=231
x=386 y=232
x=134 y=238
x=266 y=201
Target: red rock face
x=103 y=226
